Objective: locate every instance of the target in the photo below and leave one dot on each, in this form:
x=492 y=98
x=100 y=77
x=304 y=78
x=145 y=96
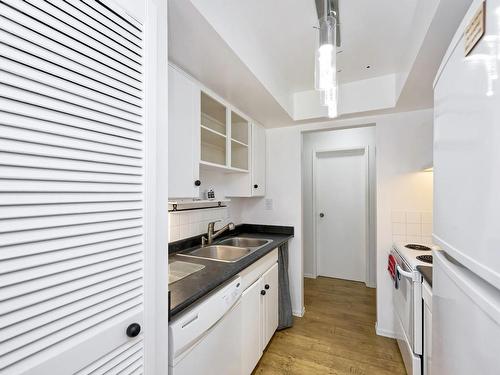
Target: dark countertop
x=190 y=289
x=426 y=272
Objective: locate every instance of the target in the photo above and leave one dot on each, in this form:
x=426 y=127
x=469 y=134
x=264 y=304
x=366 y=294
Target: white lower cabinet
x=427 y=352
x=269 y=304
x=259 y=304
x=252 y=327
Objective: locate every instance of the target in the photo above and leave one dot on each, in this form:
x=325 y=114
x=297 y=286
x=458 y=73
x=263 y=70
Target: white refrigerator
x=466 y=285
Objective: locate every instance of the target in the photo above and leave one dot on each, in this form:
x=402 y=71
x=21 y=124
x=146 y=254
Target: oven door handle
x=407 y=274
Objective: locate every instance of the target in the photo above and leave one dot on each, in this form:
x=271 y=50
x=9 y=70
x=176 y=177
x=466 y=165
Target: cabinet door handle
x=197 y=183
x=266 y=286
x=133 y=330
x=263 y=292
x=256 y=186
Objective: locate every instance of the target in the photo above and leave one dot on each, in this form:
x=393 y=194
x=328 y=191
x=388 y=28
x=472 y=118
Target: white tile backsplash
x=189 y=223
x=412 y=226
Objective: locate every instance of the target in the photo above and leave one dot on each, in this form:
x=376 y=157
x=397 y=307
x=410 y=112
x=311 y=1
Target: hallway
x=336 y=336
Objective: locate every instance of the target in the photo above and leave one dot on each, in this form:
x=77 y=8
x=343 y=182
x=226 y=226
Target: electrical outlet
x=269 y=204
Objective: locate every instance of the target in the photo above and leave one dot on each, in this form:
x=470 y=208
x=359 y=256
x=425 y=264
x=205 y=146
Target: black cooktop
x=425 y=258
x=414 y=246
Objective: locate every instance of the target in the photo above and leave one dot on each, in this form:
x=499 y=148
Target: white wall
x=342 y=138
x=404 y=147
x=283 y=188
x=354 y=97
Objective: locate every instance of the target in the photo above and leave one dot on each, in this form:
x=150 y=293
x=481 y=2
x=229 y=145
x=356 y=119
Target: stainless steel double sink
x=229 y=250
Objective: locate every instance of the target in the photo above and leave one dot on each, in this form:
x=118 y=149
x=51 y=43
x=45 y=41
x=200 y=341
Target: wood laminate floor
x=335 y=336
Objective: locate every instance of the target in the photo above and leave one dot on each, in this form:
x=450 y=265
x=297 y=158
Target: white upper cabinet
x=240 y=135
x=207 y=132
x=252 y=184
x=183 y=135
x=259 y=150
x=213 y=122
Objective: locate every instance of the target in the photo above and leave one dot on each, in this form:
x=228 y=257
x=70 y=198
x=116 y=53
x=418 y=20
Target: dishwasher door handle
x=191 y=320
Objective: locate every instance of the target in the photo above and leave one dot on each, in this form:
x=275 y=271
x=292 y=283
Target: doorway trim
x=366 y=156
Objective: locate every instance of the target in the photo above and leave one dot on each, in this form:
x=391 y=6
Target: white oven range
x=407 y=299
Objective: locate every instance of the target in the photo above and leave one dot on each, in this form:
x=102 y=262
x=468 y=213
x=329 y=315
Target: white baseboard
x=385 y=333
x=309 y=276
x=299 y=314
x=370 y=284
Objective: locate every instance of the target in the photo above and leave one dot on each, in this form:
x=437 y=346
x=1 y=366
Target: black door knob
x=263 y=292
x=266 y=286
x=133 y=330
x=255 y=186
x=197 y=183
x=322 y=215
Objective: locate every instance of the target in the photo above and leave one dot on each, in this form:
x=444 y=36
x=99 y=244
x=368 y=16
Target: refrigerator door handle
x=406 y=274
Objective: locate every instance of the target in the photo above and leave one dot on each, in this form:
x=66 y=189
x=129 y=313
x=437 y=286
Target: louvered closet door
x=71 y=188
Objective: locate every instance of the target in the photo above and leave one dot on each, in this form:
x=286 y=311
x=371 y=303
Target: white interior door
x=341 y=213
x=72 y=188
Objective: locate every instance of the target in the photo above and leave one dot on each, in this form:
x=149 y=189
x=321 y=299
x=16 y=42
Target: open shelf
x=213 y=114
x=213 y=147
x=239 y=128
x=239 y=155
x=212 y=166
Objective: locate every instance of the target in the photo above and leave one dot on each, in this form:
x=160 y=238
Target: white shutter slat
x=36 y=223
x=55 y=325
x=62 y=294
x=13 y=199
x=31 y=286
x=47 y=271
x=131 y=26
x=25 y=52
x=83 y=31
x=12 y=317
x=66 y=35
x=71 y=187
x=14 y=159
x=129 y=307
x=14 y=238
x=38 y=320
x=52 y=88
x=122 y=361
x=23 y=249
x=89 y=17
x=64 y=186
x=115 y=356
x=54 y=100
x=38 y=173
x=126 y=364
x=25 y=28
x=36 y=149
x=13 y=212
x=71 y=134
x=42 y=259
x=37 y=111
x=68 y=86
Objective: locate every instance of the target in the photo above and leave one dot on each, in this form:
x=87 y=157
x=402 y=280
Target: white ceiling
x=259 y=53
x=373 y=33
x=280 y=34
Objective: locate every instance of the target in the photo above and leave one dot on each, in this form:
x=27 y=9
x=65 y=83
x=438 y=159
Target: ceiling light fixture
x=326 y=61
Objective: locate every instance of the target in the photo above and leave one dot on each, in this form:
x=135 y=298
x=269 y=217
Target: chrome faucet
x=211 y=235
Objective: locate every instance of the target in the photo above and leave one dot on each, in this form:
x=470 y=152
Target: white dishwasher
x=206 y=339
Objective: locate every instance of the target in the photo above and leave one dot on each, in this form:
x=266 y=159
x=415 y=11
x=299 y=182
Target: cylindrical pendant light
x=326 y=62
